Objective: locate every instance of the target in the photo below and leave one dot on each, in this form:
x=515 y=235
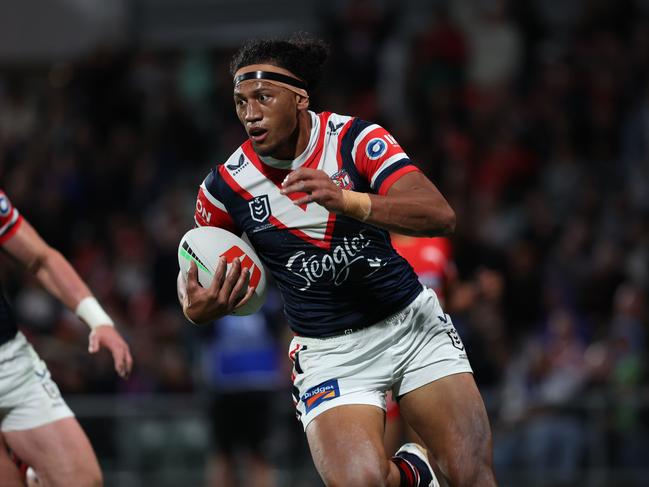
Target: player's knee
x=474 y=468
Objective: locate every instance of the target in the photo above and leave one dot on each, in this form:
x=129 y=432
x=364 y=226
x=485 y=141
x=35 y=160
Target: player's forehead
x=251 y=87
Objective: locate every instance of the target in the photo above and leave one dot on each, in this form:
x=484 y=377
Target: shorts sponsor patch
x=322 y=392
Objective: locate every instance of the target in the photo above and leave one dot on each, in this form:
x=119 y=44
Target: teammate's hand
x=225 y=294
x=317 y=185
x=108 y=337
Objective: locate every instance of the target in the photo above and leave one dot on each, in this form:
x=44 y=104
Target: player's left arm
x=412 y=205
x=57 y=276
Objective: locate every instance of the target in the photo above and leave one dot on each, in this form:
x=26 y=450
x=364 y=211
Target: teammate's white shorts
x=407 y=350
x=28 y=396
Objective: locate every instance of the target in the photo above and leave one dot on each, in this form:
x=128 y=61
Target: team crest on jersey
x=341 y=178
x=376 y=148
x=5 y=207
x=322 y=392
x=259 y=208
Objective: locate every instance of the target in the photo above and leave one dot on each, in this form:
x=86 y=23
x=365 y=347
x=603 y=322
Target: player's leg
x=450 y=417
x=59 y=452
x=346 y=444
x=9 y=473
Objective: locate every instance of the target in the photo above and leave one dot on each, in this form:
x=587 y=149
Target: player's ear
x=302 y=102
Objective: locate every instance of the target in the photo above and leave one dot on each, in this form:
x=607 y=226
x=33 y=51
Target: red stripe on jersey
x=367 y=164
x=392 y=178
x=274 y=174
x=207 y=214
x=324 y=244
x=230 y=181
x=12 y=230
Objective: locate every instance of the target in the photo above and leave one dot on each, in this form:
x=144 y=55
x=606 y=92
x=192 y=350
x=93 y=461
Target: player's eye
x=262 y=97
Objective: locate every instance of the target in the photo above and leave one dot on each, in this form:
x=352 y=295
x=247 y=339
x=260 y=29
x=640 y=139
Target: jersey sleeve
x=210 y=211
x=379 y=157
x=10 y=219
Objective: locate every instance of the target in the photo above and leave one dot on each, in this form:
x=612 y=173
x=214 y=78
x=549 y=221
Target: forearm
x=411 y=215
x=59 y=278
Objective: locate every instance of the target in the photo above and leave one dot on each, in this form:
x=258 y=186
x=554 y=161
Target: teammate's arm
x=58 y=277
x=412 y=205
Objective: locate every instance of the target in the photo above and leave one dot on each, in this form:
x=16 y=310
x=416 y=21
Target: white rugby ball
x=205 y=245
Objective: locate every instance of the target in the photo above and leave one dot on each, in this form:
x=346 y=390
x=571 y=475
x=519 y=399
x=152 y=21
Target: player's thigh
x=59 y=452
x=450 y=417
x=346 y=444
x=9 y=474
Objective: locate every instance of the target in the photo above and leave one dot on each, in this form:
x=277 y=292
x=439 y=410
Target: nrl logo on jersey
x=259 y=208
x=342 y=180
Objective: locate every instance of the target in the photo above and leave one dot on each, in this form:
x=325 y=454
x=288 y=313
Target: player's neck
x=303 y=132
x=299 y=147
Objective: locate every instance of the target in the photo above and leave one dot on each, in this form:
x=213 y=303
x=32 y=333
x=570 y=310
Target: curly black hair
x=301 y=54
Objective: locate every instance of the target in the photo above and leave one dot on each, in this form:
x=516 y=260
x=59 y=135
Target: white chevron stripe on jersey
x=312 y=220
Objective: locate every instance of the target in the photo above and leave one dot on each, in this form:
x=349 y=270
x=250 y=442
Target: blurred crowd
x=533 y=119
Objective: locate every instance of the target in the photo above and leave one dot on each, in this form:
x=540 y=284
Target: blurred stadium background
x=532 y=116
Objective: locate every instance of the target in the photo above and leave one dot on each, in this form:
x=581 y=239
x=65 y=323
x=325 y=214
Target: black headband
x=282 y=78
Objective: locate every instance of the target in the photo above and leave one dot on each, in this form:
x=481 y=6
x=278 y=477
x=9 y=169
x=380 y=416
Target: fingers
x=302 y=186
x=219 y=275
x=192 y=276
x=231 y=280
x=305 y=200
x=246 y=298
x=242 y=283
x=304 y=180
x=93 y=342
x=124 y=364
x=109 y=338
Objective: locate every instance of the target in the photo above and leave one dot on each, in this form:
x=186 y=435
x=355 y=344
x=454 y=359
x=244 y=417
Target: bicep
x=415 y=183
x=26 y=245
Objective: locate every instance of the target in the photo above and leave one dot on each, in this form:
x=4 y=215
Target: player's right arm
x=53 y=271
x=228 y=290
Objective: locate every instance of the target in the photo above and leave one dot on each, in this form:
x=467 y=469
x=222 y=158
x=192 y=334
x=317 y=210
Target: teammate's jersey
x=431 y=259
x=334 y=272
x=10 y=220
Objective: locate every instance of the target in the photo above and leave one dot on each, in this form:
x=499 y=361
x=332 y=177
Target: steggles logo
x=331 y=267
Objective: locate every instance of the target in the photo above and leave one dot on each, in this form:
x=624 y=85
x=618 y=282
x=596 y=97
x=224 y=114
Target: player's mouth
x=257 y=135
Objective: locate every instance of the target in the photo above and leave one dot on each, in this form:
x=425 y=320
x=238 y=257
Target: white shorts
x=28 y=396
x=407 y=350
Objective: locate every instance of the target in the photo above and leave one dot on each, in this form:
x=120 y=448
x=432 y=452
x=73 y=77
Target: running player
x=35 y=421
x=317 y=194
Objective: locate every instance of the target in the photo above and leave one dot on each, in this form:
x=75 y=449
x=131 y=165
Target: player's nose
x=253 y=112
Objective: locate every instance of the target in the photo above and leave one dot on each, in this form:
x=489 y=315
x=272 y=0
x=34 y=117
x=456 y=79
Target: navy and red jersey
x=10 y=221
x=334 y=272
